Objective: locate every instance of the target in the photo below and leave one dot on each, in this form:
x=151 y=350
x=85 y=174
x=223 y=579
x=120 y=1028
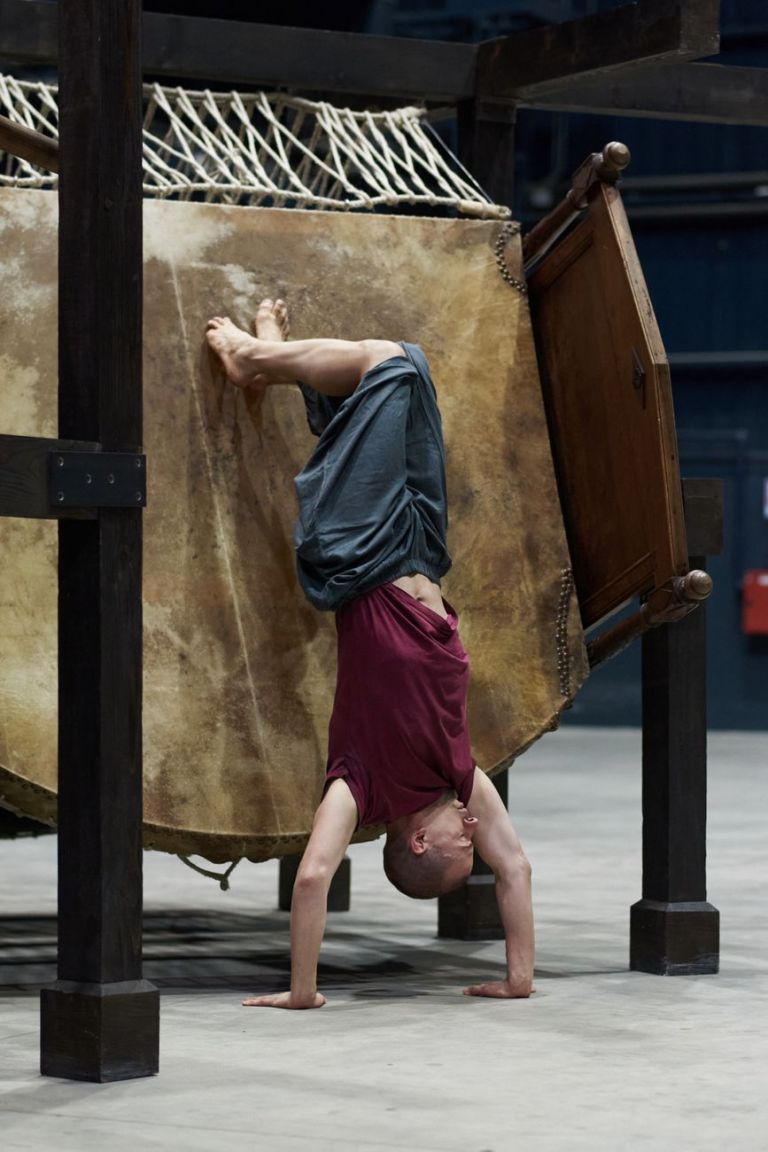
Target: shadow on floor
x=185 y=952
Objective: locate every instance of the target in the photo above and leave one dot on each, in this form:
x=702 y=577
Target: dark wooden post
x=100 y=1020
x=673 y=930
x=471 y=912
x=486 y=149
x=486 y=146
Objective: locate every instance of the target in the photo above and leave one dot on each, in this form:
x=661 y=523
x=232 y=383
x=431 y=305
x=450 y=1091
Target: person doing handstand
x=371 y=546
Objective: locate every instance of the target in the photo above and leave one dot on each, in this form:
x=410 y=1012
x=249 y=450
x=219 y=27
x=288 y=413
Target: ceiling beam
x=626 y=61
x=593 y=46
x=710 y=93
x=254 y=55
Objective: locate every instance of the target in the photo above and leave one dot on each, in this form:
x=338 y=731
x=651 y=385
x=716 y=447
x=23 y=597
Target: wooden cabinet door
x=607 y=393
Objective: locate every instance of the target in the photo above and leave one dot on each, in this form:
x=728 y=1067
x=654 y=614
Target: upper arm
x=495 y=838
x=332 y=829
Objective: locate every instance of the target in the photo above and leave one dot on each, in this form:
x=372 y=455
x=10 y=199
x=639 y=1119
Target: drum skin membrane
x=238 y=669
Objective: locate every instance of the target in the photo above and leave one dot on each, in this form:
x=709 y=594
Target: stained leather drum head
x=238 y=669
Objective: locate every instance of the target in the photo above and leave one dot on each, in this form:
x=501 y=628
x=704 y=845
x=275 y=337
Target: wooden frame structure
x=100 y=1021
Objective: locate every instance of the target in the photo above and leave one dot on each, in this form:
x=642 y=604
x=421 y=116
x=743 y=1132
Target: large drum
x=238 y=669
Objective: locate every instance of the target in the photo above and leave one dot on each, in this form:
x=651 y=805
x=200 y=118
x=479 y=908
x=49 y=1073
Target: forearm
x=513 y=894
x=308 y=916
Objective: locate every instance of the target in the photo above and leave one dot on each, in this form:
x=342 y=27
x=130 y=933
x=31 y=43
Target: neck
x=405 y=824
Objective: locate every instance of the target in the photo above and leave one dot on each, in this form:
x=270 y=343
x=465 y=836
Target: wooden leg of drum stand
x=100 y=1020
x=338 y=893
x=471 y=912
x=673 y=929
x=486 y=148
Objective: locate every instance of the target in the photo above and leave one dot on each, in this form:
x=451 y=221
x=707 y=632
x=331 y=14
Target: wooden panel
x=606 y=387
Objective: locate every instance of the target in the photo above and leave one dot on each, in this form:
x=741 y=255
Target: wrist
x=303 y=998
x=519 y=983
x=303 y=991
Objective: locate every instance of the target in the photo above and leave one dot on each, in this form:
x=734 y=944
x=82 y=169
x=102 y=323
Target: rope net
x=269 y=148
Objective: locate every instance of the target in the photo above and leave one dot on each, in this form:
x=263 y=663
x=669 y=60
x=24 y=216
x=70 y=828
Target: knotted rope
x=270 y=148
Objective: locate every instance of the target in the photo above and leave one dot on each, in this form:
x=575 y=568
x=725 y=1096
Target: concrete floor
x=599 y=1059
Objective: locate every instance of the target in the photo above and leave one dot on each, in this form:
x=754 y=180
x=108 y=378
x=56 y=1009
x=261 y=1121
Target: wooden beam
x=29 y=145
x=592 y=46
x=100 y=1020
x=24 y=476
x=597 y=64
x=306 y=58
x=710 y=93
x=254 y=55
x=29 y=31
x=486 y=138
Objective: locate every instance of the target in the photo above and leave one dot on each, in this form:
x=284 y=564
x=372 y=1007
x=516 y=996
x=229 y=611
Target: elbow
x=516 y=868
x=312 y=877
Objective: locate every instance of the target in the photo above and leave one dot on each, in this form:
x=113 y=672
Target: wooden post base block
x=99 y=1032
x=681 y=939
x=471 y=912
x=338 y=893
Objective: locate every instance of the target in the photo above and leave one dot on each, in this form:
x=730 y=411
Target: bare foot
x=235 y=348
x=271 y=322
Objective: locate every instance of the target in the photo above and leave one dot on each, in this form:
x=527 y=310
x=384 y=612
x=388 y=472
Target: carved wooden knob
x=616 y=156
x=696 y=585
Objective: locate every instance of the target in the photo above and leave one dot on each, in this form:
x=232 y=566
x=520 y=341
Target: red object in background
x=754 y=602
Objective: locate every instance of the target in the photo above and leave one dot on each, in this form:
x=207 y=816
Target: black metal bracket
x=97 y=479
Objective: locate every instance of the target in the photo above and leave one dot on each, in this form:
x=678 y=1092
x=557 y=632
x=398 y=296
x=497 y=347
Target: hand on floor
x=501 y=990
x=285 y=1000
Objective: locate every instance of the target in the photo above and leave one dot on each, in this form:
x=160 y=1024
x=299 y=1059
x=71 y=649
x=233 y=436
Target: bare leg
x=333 y=367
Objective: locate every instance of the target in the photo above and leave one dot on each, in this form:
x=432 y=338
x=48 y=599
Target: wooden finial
x=614 y=159
x=696 y=585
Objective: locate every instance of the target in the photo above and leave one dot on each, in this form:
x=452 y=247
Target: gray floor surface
x=599 y=1059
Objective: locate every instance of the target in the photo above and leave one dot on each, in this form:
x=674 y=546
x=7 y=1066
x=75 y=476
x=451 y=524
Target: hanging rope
x=221 y=877
x=269 y=148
